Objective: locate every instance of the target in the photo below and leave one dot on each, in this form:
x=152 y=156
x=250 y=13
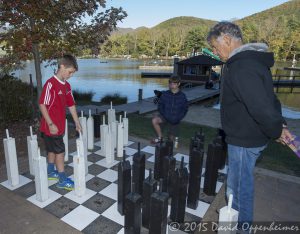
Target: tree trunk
x=167 y=50
x=37 y=65
x=37 y=61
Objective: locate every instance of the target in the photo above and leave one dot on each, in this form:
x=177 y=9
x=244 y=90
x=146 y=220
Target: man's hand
x=285 y=137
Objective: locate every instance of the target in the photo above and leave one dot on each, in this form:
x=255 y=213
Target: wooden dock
x=156 y=74
x=147 y=105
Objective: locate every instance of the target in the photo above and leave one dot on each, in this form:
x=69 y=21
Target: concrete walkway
x=276 y=199
x=20 y=216
x=276 y=195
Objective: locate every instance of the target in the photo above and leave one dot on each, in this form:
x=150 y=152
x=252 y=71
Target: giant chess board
x=96 y=211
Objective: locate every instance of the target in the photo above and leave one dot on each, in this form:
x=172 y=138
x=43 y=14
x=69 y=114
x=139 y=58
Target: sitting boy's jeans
x=240 y=180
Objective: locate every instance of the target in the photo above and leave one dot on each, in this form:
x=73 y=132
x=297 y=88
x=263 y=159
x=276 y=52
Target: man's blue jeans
x=240 y=179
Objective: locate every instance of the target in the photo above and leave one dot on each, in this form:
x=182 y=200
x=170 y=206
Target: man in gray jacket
x=250 y=111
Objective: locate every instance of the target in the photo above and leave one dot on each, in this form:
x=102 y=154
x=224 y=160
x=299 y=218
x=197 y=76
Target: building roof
x=201 y=60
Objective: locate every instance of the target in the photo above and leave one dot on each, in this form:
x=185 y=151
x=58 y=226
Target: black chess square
x=102 y=225
x=99 y=203
x=61 y=207
x=95 y=169
x=97 y=184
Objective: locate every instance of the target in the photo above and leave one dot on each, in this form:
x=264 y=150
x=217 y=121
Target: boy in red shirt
x=56 y=96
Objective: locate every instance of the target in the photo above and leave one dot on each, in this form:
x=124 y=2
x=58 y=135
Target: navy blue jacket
x=250 y=111
x=173 y=107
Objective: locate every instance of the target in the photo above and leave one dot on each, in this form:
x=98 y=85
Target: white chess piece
x=32 y=147
x=41 y=178
x=228 y=218
x=11 y=160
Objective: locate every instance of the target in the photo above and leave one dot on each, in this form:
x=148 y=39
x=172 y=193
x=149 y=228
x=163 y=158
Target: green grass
x=275 y=157
x=278 y=157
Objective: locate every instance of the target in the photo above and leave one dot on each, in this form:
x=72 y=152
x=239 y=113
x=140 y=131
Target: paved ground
x=276 y=198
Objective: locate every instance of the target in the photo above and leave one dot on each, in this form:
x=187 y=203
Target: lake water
x=104 y=77
x=124 y=77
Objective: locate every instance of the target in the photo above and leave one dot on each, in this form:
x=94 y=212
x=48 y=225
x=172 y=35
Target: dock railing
x=287 y=78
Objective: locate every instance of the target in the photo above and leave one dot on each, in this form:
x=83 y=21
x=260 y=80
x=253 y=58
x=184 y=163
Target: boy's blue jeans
x=240 y=180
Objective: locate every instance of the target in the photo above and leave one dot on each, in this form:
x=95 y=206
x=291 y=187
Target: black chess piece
x=178 y=202
x=124 y=182
x=149 y=187
x=132 y=212
x=159 y=211
x=138 y=170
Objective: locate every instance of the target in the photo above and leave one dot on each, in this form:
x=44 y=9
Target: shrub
x=83 y=96
x=16 y=99
x=116 y=99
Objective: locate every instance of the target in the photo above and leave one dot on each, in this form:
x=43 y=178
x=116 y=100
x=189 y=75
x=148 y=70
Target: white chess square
x=98 y=143
x=201 y=209
x=103 y=163
x=22 y=181
x=52 y=182
x=110 y=191
x=202 y=182
x=109 y=175
x=99 y=152
x=149 y=149
x=52 y=196
x=129 y=143
x=218 y=186
x=113 y=214
x=224 y=170
x=130 y=159
x=151 y=159
x=88 y=194
x=80 y=217
x=130 y=151
x=87 y=177
x=75 y=153
x=72 y=164
x=178 y=157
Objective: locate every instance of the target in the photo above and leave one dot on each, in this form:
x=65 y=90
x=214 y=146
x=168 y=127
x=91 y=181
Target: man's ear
x=227 y=39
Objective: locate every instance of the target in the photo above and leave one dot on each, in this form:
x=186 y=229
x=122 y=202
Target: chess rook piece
x=211 y=171
x=138 y=170
x=132 y=212
x=160 y=153
x=159 y=211
x=149 y=186
x=179 y=194
x=168 y=174
x=90 y=131
x=11 y=160
x=41 y=178
x=169 y=147
x=195 y=168
x=97 y=123
x=220 y=140
x=124 y=182
x=32 y=146
x=126 y=126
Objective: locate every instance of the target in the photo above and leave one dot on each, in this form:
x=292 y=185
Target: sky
x=149 y=13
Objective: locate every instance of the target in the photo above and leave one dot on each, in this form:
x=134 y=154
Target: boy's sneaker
x=156 y=140
x=67 y=184
x=53 y=175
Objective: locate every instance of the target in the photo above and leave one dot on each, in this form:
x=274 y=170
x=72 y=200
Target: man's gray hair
x=224 y=27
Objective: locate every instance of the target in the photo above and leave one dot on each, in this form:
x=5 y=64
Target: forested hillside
x=279 y=27
x=175 y=36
